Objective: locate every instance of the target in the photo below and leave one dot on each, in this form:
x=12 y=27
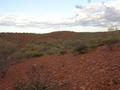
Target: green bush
x=27 y=54
x=82 y=48
x=37 y=50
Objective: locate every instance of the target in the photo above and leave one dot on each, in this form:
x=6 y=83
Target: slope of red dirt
x=98 y=69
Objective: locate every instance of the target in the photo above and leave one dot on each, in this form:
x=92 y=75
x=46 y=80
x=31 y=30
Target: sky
x=44 y=16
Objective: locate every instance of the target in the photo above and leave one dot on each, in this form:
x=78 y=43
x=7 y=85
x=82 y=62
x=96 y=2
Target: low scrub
x=6 y=50
x=40 y=86
x=80 y=43
x=31 y=86
x=37 y=50
x=39 y=79
x=81 y=49
x=27 y=54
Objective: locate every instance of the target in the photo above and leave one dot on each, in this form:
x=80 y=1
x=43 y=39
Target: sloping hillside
x=60 y=61
x=98 y=69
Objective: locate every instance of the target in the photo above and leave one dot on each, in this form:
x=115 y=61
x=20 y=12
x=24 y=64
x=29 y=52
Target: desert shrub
x=73 y=46
x=70 y=44
x=111 y=41
x=31 y=86
x=39 y=79
x=40 y=86
x=34 y=80
x=54 y=51
x=37 y=50
x=95 y=43
x=6 y=50
x=30 y=50
x=82 y=48
x=27 y=54
x=63 y=52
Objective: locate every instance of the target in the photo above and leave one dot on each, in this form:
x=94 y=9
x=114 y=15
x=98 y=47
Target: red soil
x=95 y=70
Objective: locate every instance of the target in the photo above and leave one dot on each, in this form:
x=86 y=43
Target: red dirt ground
x=98 y=69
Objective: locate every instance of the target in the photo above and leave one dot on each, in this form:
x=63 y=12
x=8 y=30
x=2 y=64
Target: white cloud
x=91 y=15
x=98 y=14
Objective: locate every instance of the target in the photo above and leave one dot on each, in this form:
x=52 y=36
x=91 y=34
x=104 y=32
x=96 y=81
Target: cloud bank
x=98 y=14
x=94 y=15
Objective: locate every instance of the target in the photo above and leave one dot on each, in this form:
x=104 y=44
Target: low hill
x=60 y=61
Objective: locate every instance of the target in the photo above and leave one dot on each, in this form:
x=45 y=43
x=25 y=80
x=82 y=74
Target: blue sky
x=39 y=7
x=43 y=7
x=51 y=15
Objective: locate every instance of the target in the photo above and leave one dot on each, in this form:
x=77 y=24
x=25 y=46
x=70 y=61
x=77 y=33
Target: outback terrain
x=60 y=61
